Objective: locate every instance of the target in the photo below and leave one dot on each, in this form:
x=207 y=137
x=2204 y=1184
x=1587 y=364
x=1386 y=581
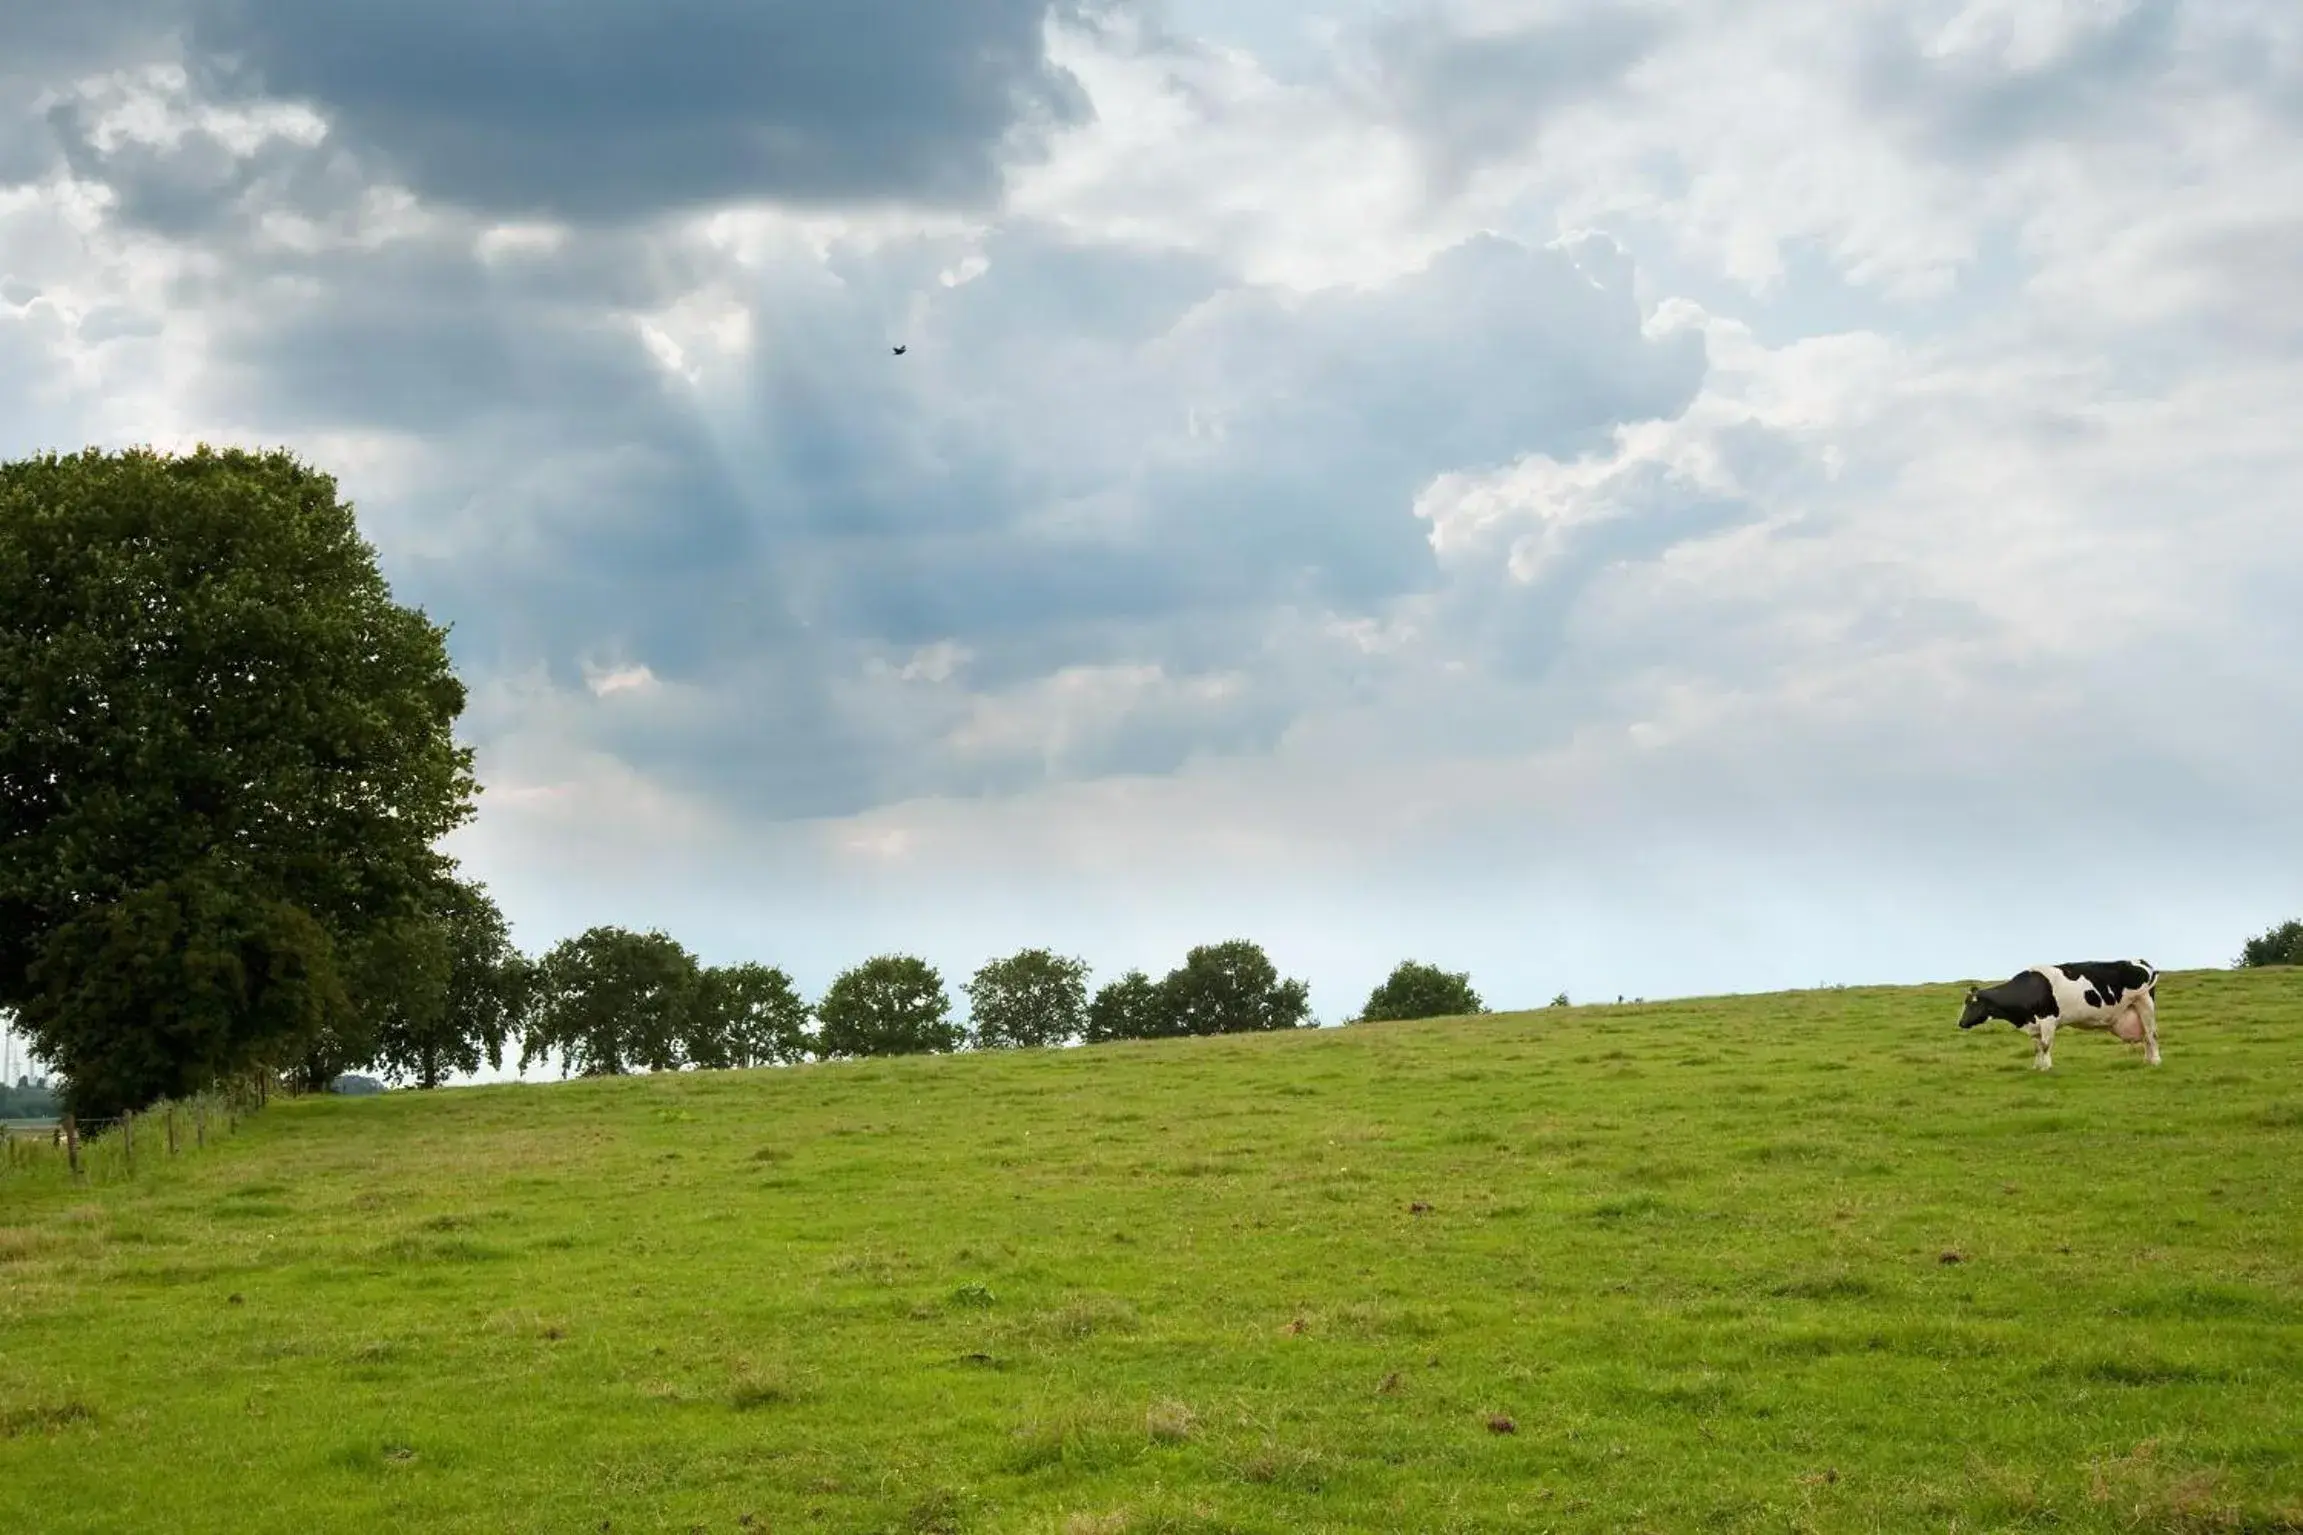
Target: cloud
x=1277 y=456
x=1517 y=481
x=692 y=452
x=605 y=681
x=1997 y=77
x=613 y=110
x=1475 y=85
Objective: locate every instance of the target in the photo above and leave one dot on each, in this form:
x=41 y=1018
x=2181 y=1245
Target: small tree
x=749 y=1015
x=892 y=1005
x=1414 y=990
x=1030 y=999
x=2282 y=945
x=1231 y=988
x=397 y=974
x=445 y=989
x=611 y=1000
x=1128 y=1008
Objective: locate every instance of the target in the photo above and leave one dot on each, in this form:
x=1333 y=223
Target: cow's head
x=1977 y=1010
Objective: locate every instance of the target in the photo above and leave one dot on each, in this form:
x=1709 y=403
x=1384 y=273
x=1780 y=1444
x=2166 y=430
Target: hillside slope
x=1805 y=1261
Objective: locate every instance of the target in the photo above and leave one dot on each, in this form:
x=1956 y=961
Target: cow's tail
x=2150 y=980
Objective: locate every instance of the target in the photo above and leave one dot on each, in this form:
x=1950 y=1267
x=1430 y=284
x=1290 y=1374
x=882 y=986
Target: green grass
x=1815 y=1261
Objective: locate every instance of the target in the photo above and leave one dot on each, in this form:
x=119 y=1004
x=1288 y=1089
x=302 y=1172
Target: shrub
x=2282 y=945
x=1416 y=990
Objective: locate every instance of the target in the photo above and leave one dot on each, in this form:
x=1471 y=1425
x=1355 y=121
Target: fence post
x=72 y=1144
x=128 y=1137
x=200 y=1127
x=171 y=1129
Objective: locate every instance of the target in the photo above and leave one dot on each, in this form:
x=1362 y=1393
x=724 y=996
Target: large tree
x=611 y=1000
x=226 y=756
x=1416 y=990
x=1031 y=998
x=892 y=1005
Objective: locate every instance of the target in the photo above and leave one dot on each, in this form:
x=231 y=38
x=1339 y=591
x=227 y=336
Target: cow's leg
x=2044 y=1032
x=2147 y=1009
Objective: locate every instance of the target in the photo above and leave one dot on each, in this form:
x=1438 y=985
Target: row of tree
x=445 y=995
x=28 y=1099
x=227 y=761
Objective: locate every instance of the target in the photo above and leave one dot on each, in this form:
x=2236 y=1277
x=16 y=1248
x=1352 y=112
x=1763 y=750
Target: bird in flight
x=901 y=350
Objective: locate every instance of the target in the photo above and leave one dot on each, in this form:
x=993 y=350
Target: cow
x=2113 y=994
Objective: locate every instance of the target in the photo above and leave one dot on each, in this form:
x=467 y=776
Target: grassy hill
x=1813 y=1261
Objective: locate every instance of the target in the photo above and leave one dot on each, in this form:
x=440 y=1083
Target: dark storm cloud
x=197 y=185
x=612 y=110
x=1025 y=485
x=53 y=43
x=45 y=47
x=422 y=337
x=1325 y=417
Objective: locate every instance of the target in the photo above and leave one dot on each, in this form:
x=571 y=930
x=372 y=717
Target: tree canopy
x=1416 y=990
x=1231 y=988
x=1128 y=1008
x=2282 y=945
x=749 y=1015
x=178 y=985
x=892 y=1005
x=444 y=989
x=226 y=755
x=610 y=1000
x=1031 y=998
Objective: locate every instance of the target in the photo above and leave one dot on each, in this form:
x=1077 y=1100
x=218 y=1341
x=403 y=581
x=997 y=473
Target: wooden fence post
x=200 y=1127
x=72 y=1144
x=171 y=1129
x=128 y=1137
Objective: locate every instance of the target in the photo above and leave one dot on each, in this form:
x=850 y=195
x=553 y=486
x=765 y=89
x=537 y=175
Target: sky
x=1617 y=498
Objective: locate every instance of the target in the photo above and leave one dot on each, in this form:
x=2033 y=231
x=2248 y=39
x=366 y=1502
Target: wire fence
x=92 y=1151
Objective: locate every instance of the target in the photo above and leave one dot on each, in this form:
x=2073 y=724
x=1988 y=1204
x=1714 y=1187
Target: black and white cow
x=2113 y=994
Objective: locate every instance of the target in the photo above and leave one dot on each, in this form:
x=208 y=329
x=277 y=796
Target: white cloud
x=1199 y=149
x=606 y=682
x=939 y=662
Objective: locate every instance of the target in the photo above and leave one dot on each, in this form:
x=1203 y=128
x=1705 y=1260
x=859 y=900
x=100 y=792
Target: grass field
x=1813 y=1261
